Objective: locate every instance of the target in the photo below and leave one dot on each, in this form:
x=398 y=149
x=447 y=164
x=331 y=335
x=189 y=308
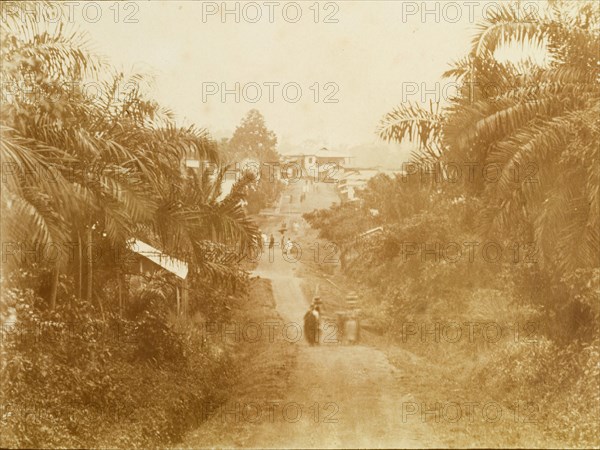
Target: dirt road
x=335 y=395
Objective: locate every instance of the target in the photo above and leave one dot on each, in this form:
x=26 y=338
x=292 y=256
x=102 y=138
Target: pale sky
x=375 y=47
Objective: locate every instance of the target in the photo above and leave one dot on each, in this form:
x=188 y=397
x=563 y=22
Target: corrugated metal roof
x=173 y=265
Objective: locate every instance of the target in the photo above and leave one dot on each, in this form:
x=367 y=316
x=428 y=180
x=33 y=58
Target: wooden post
x=185 y=297
x=89 y=265
x=80 y=257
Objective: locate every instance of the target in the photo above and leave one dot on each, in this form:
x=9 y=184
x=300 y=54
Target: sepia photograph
x=342 y=224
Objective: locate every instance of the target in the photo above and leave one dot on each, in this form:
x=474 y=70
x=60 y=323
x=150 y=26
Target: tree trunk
x=101 y=306
x=89 y=265
x=184 y=297
x=80 y=257
x=120 y=287
x=54 y=287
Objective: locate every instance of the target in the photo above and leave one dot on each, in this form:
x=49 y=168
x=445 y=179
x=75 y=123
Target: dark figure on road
x=311 y=323
x=271 y=241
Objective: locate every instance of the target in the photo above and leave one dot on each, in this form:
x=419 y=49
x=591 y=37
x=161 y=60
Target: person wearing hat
x=310 y=325
x=271 y=242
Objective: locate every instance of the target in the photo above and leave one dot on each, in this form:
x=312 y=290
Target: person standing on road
x=271 y=242
x=310 y=326
x=264 y=239
x=316 y=310
x=352 y=328
x=288 y=247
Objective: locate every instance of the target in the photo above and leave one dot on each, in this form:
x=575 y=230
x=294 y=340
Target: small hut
x=151 y=259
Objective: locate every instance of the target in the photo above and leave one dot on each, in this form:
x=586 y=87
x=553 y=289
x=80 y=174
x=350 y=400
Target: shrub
x=74 y=377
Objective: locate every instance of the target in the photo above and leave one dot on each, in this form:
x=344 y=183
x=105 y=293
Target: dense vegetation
x=496 y=219
x=95 y=352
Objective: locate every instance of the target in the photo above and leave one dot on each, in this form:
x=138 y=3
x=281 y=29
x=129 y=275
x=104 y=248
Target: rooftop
x=170 y=264
x=321 y=153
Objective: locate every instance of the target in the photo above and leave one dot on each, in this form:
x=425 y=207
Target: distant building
x=314 y=162
x=353 y=179
x=234 y=172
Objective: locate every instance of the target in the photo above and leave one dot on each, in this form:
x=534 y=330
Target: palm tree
x=34 y=129
x=104 y=168
x=537 y=124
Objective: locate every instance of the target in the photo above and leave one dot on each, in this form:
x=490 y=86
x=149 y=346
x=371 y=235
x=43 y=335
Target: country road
x=336 y=395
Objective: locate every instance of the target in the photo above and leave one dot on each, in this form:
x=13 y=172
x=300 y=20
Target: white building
x=314 y=162
x=353 y=179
